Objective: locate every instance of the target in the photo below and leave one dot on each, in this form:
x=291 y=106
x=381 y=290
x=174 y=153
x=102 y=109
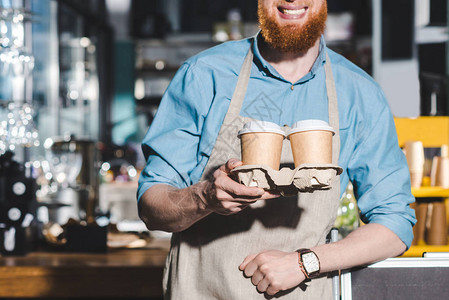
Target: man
x=236 y=242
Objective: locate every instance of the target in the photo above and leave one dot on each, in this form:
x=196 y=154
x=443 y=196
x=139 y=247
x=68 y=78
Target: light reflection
x=19 y=128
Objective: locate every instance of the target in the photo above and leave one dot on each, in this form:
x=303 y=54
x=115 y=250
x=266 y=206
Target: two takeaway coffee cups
x=311 y=142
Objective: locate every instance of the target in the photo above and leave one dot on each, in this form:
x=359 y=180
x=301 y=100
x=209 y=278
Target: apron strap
x=240 y=89
x=226 y=137
x=333 y=109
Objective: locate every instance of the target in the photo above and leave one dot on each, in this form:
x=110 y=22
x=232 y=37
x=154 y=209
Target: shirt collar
x=268 y=70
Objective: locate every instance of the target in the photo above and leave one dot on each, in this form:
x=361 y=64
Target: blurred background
x=81 y=80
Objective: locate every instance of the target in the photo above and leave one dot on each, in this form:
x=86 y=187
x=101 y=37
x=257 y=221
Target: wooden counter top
x=127 y=273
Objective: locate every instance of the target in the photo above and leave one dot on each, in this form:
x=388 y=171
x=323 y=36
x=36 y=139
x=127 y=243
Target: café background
x=81 y=80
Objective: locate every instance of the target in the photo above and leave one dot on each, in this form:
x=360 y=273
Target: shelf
x=418 y=250
x=431 y=131
x=431 y=34
x=430 y=192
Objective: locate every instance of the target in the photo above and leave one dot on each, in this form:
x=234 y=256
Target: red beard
x=292 y=38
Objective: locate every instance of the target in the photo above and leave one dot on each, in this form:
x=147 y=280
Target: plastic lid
x=261 y=126
x=308 y=125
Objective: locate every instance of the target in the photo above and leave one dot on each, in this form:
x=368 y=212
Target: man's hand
x=273 y=271
x=225 y=196
x=163 y=207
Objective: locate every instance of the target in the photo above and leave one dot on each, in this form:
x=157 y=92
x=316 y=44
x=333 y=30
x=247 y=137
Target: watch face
x=310 y=262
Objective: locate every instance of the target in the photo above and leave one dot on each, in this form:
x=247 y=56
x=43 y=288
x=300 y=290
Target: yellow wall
x=431 y=131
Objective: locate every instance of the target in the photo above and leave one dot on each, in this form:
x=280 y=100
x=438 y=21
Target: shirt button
x=292 y=87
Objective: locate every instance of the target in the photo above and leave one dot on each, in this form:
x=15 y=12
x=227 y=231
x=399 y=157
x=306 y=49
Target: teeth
x=294 y=12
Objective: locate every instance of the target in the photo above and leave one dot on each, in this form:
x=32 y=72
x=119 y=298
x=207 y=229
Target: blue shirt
x=183 y=132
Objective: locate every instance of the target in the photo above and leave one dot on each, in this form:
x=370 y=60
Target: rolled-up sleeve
x=378 y=169
x=171 y=144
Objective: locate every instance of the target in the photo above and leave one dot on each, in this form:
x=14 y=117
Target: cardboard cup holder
x=304 y=178
x=311 y=143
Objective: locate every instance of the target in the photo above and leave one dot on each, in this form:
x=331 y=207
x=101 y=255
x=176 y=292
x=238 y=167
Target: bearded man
x=232 y=241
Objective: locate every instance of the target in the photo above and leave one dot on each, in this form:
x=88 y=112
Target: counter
x=124 y=273
x=398 y=279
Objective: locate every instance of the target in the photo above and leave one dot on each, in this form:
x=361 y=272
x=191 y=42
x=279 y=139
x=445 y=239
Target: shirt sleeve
x=379 y=172
x=170 y=146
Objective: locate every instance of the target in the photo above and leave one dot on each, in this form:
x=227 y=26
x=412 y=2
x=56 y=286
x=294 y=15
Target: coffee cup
x=311 y=142
x=437 y=234
x=440 y=172
x=439 y=175
x=419 y=230
x=261 y=143
x=416 y=178
x=414 y=152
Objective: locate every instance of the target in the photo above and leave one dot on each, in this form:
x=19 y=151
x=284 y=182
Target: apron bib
x=203 y=260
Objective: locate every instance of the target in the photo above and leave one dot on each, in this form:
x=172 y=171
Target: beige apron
x=204 y=259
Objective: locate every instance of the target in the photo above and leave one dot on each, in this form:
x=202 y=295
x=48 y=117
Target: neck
x=291 y=66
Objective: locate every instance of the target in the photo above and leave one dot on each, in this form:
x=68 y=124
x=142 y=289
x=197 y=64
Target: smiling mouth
x=292 y=11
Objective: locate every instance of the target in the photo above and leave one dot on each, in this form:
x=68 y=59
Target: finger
x=227 y=205
x=242 y=206
x=238 y=208
x=251 y=268
x=228 y=200
x=246 y=261
x=256 y=278
x=231 y=164
x=271 y=290
x=270 y=195
x=235 y=209
x=263 y=285
x=252 y=199
x=236 y=189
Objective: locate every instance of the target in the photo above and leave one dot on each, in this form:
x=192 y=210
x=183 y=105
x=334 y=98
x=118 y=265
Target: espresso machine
x=73 y=165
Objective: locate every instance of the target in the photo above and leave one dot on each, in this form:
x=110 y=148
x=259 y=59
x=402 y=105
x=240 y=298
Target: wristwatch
x=309 y=263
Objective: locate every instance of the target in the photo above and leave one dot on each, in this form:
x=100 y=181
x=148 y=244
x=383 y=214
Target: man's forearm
x=367 y=244
x=163 y=207
x=273 y=270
